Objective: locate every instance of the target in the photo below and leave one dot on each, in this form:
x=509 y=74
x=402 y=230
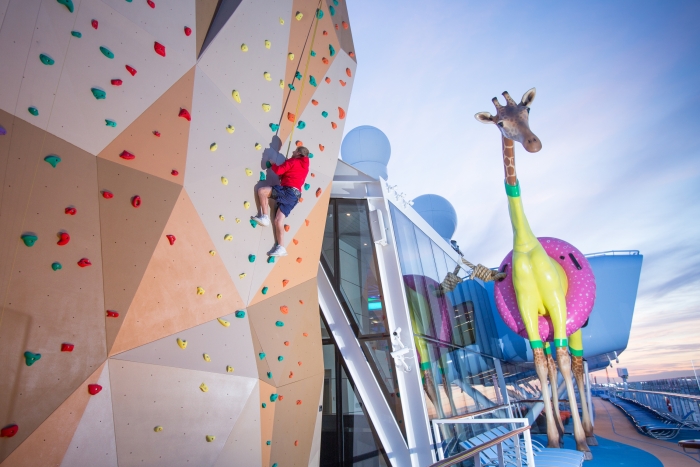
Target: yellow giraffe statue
x=539 y=283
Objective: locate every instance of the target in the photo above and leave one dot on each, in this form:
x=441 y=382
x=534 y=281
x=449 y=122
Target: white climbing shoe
x=261 y=220
x=279 y=250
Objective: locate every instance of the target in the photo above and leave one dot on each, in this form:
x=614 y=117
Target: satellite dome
x=367 y=148
x=438 y=213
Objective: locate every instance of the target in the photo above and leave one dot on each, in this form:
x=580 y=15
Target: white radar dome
x=438 y=213
x=367 y=148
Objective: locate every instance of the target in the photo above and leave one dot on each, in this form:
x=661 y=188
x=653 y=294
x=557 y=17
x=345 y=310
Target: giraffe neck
x=509 y=161
x=523 y=238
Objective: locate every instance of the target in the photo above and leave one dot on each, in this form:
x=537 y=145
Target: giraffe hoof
x=591 y=441
x=587 y=456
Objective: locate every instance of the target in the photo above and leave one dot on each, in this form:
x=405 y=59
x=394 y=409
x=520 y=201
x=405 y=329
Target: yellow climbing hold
x=268 y=44
x=210 y=438
x=244 y=47
x=206 y=357
x=238 y=221
x=299 y=16
x=229 y=369
x=221 y=216
x=266 y=107
x=236 y=96
x=158 y=429
x=223 y=322
x=291 y=56
x=282 y=83
x=248 y=172
x=200 y=291
x=213 y=147
x=224 y=180
x=228 y=237
x=212 y=252
x=246 y=204
x=241 y=275
x=281 y=21
x=258 y=146
x=203 y=387
x=230 y=129
x=182 y=343
x=267 y=76
x=219 y=296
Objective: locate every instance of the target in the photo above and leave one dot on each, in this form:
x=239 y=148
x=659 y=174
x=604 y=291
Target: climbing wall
x=142 y=321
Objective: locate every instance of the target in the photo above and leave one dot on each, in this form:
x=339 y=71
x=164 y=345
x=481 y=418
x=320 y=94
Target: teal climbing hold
x=274 y=127
x=253 y=223
x=273 y=397
x=324 y=113
x=269 y=374
x=331 y=10
x=264 y=405
x=335 y=2
x=301 y=125
x=313 y=54
x=240 y=314
x=98 y=93
x=279 y=324
x=77 y=34
x=106 y=52
x=31 y=358
x=261 y=355
x=34 y=111
x=262 y=176
x=111 y=123
x=270 y=259
x=251 y=258
x=306 y=186
x=264 y=290
x=291 y=86
x=268 y=164
x=274 y=465
x=56 y=266
x=298 y=75
x=311 y=155
x=46 y=60
x=29 y=239
x=68 y=4
x=280 y=358
x=312 y=81
x=53 y=160
x=268 y=442
x=319 y=13
x=331 y=49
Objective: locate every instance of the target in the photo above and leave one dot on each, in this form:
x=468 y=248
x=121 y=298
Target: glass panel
x=378 y=352
x=329 y=423
x=328 y=246
x=324 y=330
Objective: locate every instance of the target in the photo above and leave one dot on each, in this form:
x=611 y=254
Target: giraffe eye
x=528 y=109
x=500 y=124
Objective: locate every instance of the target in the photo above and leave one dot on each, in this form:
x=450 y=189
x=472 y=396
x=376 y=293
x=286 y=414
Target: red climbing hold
x=71 y=211
x=299 y=402
x=305 y=334
x=291 y=374
x=67 y=347
x=325 y=33
x=284 y=309
x=9 y=431
x=112 y=314
x=131 y=70
x=345 y=25
x=341 y=113
x=328 y=80
x=301 y=301
x=159 y=48
x=285 y=282
x=156 y=133
x=171 y=239
x=299 y=259
x=94 y=23
x=83 y=263
x=174 y=173
x=188 y=31
x=281 y=397
x=324 y=60
x=127 y=155
x=150 y=3
x=185 y=114
x=299 y=363
x=318 y=193
x=291 y=117
x=342 y=83
x=334 y=125
x=64 y=238
x=299 y=143
x=313 y=175
x=336 y=26
x=116 y=82
x=296 y=443
x=321 y=147
x=286 y=343
x=107 y=195
x=286 y=228
x=136 y=201
x=348 y=72
x=94 y=389
x=314 y=101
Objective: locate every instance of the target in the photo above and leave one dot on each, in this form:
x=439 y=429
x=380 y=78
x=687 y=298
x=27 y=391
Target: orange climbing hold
x=299 y=363
x=305 y=334
x=324 y=60
x=301 y=200
x=313 y=175
x=291 y=117
x=318 y=192
x=285 y=282
x=341 y=113
x=159 y=48
x=301 y=301
x=342 y=83
x=131 y=70
x=284 y=309
x=299 y=259
x=336 y=26
x=348 y=72
x=286 y=228
x=281 y=397
x=295 y=241
x=299 y=402
x=334 y=125
x=296 y=443
x=306 y=221
x=328 y=80
x=321 y=147
x=345 y=25
x=291 y=374
x=325 y=33
x=314 y=101
x=184 y=113
x=352 y=54
x=286 y=343
x=299 y=143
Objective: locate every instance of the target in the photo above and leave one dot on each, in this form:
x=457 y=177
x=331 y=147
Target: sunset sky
x=617 y=110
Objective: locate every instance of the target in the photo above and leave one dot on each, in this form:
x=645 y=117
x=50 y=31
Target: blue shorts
x=286 y=196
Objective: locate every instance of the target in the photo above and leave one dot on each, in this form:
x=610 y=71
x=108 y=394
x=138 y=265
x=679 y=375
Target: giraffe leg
x=552 y=369
x=576 y=346
x=564 y=362
x=542 y=373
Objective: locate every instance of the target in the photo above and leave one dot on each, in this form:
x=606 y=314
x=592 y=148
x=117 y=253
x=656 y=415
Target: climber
x=292 y=174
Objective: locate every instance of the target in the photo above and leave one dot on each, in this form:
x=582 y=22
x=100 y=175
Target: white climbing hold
x=230 y=129
x=267 y=76
x=224 y=180
x=200 y=291
x=228 y=237
x=266 y=107
x=182 y=343
x=204 y=387
x=224 y=322
x=236 y=96
x=268 y=44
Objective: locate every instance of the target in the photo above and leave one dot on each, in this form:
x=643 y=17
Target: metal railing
x=613 y=253
x=683 y=409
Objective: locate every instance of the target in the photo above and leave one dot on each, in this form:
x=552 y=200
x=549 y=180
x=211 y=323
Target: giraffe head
x=512 y=120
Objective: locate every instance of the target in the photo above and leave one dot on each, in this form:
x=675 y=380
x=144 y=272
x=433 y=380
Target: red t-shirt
x=292 y=172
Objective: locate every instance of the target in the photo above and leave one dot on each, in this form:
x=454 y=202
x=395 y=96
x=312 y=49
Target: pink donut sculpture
x=580 y=295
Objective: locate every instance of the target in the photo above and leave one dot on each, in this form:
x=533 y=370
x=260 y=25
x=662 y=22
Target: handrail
x=478 y=412
x=613 y=253
x=472 y=452
x=661 y=393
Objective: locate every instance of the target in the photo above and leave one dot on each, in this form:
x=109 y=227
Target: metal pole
x=696 y=374
x=587 y=384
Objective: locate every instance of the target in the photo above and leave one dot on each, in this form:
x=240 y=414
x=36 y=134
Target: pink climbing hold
x=9 y=431
x=64 y=238
x=71 y=211
x=136 y=201
x=94 y=389
x=150 y=3
x=184 y=113
x=171 y=239
x=83 y=263
x=131 y=70
x=107 y=194
x=159 y=48
x=94 y=23
x=67 y=347
x=174 y=173
x=112 y=314
x=188 y=31
x=116 y=82
x=127 y=155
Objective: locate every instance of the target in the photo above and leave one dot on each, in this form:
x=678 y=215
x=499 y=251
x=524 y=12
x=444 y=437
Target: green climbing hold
x=319 y=13
x=280 y=358
x=111 y=123
x=291 y=86
x=53 y=160
x=301 y=125
x=274 y=127
x=251 y=258
x=264 y=290
x=261 y=355
x=273 y=397
x=312 y=81
x=30 y=358
x=270 y=259
x=331 y=10
x=324 y=113
x=311 y=155
x=313 y=54
x=253 y=223
x=268 y=164
x=56 y=266
x=29 y=239
x=106 y=52
x=240 y=314
x=331 y=49
x=77 y=34
x=298 y=75
x=269 y=375
x=262 y=176
x=46 y=60
x=68 y=4
x=264 y=405
x=34 y=111
x=268 y=442
x=98 y=93
x=307 y=186
x=279 y=324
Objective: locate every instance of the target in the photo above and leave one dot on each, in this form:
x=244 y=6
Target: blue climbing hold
x=262 y=176
x=331 y=49
x=301 y=125
x=270 y=259
x=298 y=75
x=31 y=358
x=251 y=258
x=311 y=155
x=291 y=86
x=268 y=164
x=274 y=127
x=268 y=442
x=312 y=81
x=331 y=10
x=53 y=160
x=253 y=223
x=264 y=405
x=319 y=13
x=324 y=113
x=280 y=358
x=313 y=54
x=335 y=2
x=269 y=375
x=240 y=314
x=106 y=52
x=279 y=324
x=67 y=3
x=98 y=93
x=77 y=34
x=273 y=397
x=56 y=266
x=264 y=290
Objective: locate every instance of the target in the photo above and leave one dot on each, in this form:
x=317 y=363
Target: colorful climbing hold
x=291 y=86
x=174 y=173
x=321 y=147
x=299 y=260
x=206 y=357
x=352 y=54
x=242 y=275
x=263 y=405
x=248 y=172
x=77 y=34
x=107 y=194
x=116 y=82
x=184 y=113
x=171 y=239
x=29 y=239
x=298 y=75
x=213 y=147
x=53 y=160
x=94 y=24
x=67 y=3
x=299 y=402
x=34 y=111
x=224 y=180
x=246 y=204
x=221 y=217
x=238 y=221
x=312 y=81
x=261 y=355
x=341 y=113
x=64 y=238
x=319 y=13
x=111 y=123
x=236 y=96
x=299 y=16
x=150 y=3
x=3 y=131
x=223 y=322
x=136 y=201
x=106 y=52
x=291 y=117
x=9 y=431
x=266 y=107
x=210 y=438
x=156 y=133
x=286 y=343
x=251 y=258
x=268 y=44
x=301 y=125
x=230 y=128
x=295 y=241
x=131 y=70
x=93 y=389
x=281 y=21
x=188 y=31
x=219 y=296
x=331 y=10
x=159 y=48
x=158 y=429
x=305 y=334
x=331 y=50
x=274 y=127
x=267 y=76
x=334 y=125
x=244 y=47
x=270 y=259
x=65 y=347
x=306 y=222
x=342 y=83
x=56 y=266
x=290 y=56
x=269 y=375
x=127 y=155
x=240 y=314
x=112 y=314
x=285 y=282
x=253 y=224
x=229 y=369
x=264 y=290
x=284 y=309
x=324 y=60
x=279 y=324
x=182 y=343
x=345 y=25
x=318 y=192
x=328 y=80
x=200 y=291
x=273 y=397
x=282 y=83
x=31 y=358
x=46 y=60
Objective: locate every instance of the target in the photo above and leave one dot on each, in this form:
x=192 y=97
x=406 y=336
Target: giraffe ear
x=485 y=117
x=528 y=97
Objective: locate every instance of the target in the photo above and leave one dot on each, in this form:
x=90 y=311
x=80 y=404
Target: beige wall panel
x=43 y=308
x=155 y=155
x=296 y=423
x=147 y=396
x=344 y=35
x=205 y=10
x=167 y=301
x=315 y=455
x=317 y=69
x=129 y=235
x=300 y=319
x=46 y=445
x=264 y=372
x=94 y=442
x=77 y=116
x=267 y=421
x=308 y=248
x=243 y=446
x=15 y=40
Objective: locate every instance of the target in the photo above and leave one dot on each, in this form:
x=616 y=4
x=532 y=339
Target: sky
x=617 y=110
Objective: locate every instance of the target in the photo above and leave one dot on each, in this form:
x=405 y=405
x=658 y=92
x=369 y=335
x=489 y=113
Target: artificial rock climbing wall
x=142 y=322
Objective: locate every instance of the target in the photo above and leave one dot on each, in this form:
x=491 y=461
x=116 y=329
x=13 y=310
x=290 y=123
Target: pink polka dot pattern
x=579 y=297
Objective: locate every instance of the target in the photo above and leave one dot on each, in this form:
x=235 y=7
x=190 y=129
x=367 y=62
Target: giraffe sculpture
x=539 y=282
